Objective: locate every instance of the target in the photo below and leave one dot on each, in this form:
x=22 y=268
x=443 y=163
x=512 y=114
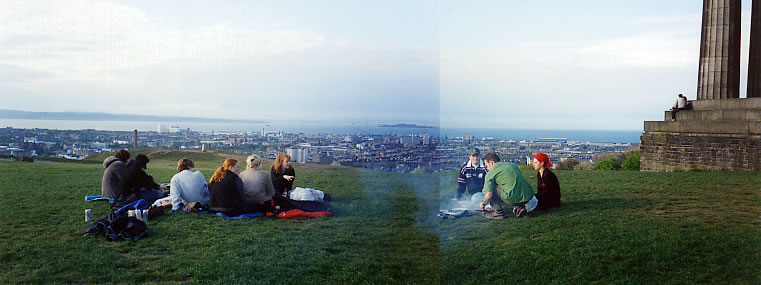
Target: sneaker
x=520 y=212
x=495 y=215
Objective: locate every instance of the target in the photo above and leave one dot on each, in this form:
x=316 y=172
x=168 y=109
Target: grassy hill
x=380 y=232
x=614 y=227
x=617 y=227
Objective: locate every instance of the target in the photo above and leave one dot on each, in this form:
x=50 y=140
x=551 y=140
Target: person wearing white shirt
x=187 y=186
x=680 y=104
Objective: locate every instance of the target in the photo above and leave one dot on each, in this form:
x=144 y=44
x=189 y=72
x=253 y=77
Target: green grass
x=616 y=227
x=66 y=160
x=378 y=233
x=56 y=159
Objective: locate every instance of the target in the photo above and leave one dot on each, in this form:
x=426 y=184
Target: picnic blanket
x=98 y=198
x=137 y=205
x=240 y=217
x=244 y=216
x=297 y=214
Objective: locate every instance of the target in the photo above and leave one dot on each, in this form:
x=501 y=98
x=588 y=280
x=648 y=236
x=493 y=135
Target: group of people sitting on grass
x=229 y=190
x=503 y=183
x=234 y=192
x=124 y=177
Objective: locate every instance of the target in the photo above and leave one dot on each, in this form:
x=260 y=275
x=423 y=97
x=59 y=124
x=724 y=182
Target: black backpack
x=126 y=228
x=118 y=227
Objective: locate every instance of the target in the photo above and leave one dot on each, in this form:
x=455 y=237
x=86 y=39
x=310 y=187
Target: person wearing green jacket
x=504 y=184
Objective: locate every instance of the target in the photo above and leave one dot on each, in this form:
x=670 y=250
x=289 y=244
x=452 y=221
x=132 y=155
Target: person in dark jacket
x=116 y=176
x=472 y=175
x=140 y=183
x=226 y=189
x=139 y=179
x=548 y=187
x=282 y=174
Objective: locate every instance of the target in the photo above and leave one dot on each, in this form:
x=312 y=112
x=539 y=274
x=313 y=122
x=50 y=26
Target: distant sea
x=611 y=136
x=289 y=127
x=614 y=136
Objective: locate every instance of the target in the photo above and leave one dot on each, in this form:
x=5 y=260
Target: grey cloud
x=14 y=74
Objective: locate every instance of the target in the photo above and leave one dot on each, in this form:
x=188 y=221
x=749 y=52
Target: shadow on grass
x=600 y=249
x=598 y=204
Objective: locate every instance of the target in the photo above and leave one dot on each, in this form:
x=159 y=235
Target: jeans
x=673 y=112
x=497 y=200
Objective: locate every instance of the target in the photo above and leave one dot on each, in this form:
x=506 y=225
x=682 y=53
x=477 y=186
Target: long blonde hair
x=220 y=173
x=278 y=164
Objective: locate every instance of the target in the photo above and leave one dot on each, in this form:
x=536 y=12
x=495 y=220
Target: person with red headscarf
x=548 y=187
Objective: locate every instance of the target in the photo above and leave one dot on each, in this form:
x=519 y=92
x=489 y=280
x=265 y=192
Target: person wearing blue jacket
x=472 y=175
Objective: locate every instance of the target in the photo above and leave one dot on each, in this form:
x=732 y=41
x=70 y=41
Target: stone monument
x=721 y=131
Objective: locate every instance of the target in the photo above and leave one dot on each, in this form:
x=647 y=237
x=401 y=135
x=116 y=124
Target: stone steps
x=721 y=127
x=727 y=104
x=715 y=115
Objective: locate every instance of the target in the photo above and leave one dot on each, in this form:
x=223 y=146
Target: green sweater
x=515 y=188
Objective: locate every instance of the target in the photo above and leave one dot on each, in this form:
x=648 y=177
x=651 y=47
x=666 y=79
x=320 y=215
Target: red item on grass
x=297 y=214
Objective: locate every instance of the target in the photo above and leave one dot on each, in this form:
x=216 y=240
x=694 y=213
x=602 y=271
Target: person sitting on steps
x=680 y=104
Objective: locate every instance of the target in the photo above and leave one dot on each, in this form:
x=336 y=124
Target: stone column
x=719 y=69
x=754 y=56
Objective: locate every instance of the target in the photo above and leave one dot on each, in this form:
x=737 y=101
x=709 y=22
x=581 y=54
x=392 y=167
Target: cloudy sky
x=271 y=60
x=588 y=64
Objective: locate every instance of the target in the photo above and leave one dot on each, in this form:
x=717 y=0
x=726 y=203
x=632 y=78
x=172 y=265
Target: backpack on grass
x=126 y=228
x=117 y=226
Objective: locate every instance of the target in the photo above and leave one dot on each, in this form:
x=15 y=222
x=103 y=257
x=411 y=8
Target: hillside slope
x=377 y=234
x=616 y=227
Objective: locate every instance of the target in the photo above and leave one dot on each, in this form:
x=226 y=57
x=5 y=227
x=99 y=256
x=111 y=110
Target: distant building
x=468 y=137
x=134 y=139
x=551 y=141
x=82 y=152
x=298 y=154
x=409 y=140
x=426 y=139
